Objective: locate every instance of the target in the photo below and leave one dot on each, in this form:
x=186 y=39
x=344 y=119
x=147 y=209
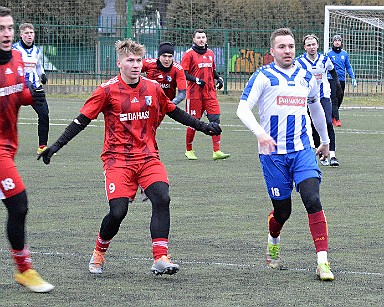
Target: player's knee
x=162 y=200
x=312 y=203
x=158 y=193
x=282 y=210
x=310 y=195
x=118 y=208
x=17 y=205
x=282 y=216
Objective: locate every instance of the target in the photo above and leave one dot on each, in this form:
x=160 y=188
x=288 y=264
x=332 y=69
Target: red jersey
x=202 y=67
x=131 y=117
x=169 y=80
x=13 y=94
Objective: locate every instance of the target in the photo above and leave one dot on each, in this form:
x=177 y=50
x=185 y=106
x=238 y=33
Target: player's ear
x=118 y=63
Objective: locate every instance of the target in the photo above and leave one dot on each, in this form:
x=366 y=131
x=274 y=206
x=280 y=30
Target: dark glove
x=43 y=79
x=38 y=94
x=211 y=129
x=200 y=82
x=48 y=153
x=339 y=91
x=220 y=83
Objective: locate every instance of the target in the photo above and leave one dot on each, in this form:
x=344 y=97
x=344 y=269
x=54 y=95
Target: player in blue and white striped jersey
x=34 y=74
x=319 y=65
x=282 y=93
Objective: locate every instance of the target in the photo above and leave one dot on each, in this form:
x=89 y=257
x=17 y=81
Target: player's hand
x=43 y=79
x=38 y=94
x=324 y=150
x=220 y=83
x=354 y=82
x=48 y=153
x=200 y=82
x=211 y=129
x=267 y=144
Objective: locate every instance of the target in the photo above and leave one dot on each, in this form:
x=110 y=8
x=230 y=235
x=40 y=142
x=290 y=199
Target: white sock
x=332 y=154
x=322 y=257
x=273 y=240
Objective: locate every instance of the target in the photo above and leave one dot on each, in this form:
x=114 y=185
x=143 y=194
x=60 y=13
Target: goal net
x=362 y=30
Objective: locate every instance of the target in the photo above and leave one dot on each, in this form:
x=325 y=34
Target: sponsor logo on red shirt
x=202 y=65
x=5 y=91
x=134 y=116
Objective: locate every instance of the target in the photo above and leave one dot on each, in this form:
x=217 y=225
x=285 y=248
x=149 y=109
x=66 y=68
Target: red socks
x=319 y=230
x=191 y=135
x=317 y=226
x=189 y=138
x=101 y=245
x=274 y=227
x=22 y=259
x=216 y=142
x=159 y=247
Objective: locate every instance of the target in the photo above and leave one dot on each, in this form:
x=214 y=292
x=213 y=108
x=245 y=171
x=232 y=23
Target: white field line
x=208 y=263
x=98 y=123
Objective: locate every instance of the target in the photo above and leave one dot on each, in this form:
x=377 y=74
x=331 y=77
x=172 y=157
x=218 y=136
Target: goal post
x=362 y=30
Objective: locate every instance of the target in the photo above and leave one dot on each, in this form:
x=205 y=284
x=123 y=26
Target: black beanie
x=166 y=48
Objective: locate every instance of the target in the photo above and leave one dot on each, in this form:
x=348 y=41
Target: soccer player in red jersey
x=13 y=94
x=200 y=69
x=167 y=72
x=133 y=108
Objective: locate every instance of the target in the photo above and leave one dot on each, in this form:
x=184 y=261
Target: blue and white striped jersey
x=32 y=62
x=281 y=96
x=319 y=68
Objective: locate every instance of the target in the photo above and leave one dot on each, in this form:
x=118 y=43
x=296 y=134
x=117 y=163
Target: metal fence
x=80 y=55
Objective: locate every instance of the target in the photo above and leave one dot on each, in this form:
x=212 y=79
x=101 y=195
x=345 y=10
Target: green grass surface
x=218 y=226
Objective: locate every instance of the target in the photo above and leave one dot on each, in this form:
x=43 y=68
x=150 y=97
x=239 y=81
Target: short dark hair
x=280 y=32
x=4 y=11
x=197 y=31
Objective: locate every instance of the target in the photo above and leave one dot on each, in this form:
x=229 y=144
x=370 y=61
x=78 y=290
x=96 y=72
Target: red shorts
x=196 y=107
x=11 y=183
x=123 y=180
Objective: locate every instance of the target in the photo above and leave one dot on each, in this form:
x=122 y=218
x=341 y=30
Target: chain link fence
x=79 y=52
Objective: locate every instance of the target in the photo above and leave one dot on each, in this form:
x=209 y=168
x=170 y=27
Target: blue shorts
x=281 y=171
